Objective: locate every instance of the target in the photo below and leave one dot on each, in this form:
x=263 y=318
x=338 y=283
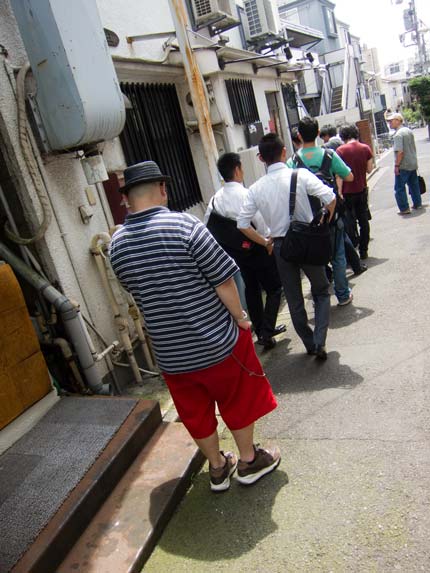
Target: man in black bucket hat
x=183 y=282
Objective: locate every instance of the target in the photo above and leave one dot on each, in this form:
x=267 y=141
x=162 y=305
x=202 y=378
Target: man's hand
x=396 y=170
x=269 y=245
x=244 y=324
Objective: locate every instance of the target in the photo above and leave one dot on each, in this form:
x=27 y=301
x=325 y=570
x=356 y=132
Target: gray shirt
x=404 y=141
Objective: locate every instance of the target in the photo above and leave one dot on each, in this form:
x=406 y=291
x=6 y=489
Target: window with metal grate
x=242 y=101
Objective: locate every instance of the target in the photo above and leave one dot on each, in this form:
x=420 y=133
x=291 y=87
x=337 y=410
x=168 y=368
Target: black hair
x=270 y=148
x=349 y=131
x=308 y=129
x=295 y=136
x=227 y=163
x=328 y=130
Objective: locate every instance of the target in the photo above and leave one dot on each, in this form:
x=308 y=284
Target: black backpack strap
x=326 y=162
x=293 y=189
x=298 y=161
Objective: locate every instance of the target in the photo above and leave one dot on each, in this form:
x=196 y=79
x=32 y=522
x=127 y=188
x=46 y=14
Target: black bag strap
x=326 y=162
x=299 y=161
x=293 y=189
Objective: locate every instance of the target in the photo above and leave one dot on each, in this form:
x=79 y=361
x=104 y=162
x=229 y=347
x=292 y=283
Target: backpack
x=325 y=176
x=323 y=171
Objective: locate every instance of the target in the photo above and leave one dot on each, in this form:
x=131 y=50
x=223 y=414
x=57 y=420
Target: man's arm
x=369 y=167
x=227 y=293
x=398 y=159
x=247 y=213
x=255 y=236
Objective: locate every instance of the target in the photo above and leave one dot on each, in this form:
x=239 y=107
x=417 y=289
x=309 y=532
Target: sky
x=379 y=23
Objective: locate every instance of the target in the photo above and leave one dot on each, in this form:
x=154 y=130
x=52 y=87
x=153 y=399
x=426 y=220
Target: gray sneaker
x=265 y=461
x=220 y=477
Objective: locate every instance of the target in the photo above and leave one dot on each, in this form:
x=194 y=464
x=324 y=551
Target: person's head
x=394 y=120
x=327 y=131
x=230 y=167
x=295 y=138
x=145 y=186
x=272 y=149
x=348 y=131
x=308 y=129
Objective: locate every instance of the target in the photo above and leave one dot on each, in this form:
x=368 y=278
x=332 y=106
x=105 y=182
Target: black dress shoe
x=320 y=353
x=364 y=255
x=363 y=268
x=279 y=329
x=267 y=343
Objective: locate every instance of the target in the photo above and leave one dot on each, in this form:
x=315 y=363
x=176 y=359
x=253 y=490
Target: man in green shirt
x=312 y=156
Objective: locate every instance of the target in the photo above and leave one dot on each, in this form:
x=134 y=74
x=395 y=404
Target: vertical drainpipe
x=197 y=92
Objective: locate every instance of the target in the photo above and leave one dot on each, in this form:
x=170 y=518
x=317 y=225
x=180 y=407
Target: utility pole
x=198 y=93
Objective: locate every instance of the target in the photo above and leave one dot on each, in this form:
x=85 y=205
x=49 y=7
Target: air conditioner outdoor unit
x=206 y=11
x=260 y=19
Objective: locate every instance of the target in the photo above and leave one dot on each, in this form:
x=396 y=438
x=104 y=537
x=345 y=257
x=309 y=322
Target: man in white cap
x=405 y=165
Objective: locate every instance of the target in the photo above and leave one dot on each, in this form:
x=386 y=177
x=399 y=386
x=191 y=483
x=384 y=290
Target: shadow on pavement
x=341 y=316
x=373 y=262
x=303 y=373
x=215 y=527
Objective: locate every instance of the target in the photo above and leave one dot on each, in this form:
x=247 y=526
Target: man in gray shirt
x=405 y=165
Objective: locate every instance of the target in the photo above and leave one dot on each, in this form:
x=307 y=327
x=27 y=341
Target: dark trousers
x=258 y=275
x=351 y=255
x=291 y=279
x=357 y=210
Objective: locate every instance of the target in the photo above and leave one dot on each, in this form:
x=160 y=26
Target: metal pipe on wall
x=69 y=315
x=120 y=322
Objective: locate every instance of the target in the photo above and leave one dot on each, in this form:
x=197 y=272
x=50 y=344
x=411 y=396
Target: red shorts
x=242 y=398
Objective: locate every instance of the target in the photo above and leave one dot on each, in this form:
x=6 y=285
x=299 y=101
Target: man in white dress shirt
x=270 y=195
x=258 y=268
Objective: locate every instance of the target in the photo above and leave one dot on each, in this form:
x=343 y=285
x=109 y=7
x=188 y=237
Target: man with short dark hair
x=257 y=267
x=359 y=157
x=405 y=165
x=312 y=157
x=182 y=281
x=328 y=134
x=270 y=195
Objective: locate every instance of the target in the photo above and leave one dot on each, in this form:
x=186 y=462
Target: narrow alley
x=354 y=431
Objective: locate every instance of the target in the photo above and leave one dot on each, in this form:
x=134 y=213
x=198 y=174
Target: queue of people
x=183 y=277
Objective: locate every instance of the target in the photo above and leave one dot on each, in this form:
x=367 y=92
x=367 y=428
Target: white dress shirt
x=270 y=195
x=228 y=203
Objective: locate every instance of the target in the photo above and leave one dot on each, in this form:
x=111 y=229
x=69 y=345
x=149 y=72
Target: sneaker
x=417 y=208
x=405 y=212
x=347 y=301
x=265 y=461
x=220 y=477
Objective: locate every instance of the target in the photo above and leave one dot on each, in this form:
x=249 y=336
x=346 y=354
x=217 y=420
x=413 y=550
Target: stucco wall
x=64 y=252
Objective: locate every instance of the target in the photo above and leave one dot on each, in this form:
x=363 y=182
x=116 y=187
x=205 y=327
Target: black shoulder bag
x=227 y=234
x=306 y=243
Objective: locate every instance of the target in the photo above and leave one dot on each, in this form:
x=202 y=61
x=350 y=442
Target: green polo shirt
x=312 y=157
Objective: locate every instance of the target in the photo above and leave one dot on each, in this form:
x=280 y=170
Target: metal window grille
x=290 y=101
x=154 y=130
x=242 y=101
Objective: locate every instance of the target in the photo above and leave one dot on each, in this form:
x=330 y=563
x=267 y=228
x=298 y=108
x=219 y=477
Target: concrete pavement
x=354 y=431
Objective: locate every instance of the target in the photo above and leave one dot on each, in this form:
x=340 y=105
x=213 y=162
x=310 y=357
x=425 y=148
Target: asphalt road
x=354 y=431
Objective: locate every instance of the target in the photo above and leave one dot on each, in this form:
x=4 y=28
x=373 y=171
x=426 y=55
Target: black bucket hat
x=145 y=172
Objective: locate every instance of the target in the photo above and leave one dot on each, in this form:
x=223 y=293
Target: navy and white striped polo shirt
x=171 y=264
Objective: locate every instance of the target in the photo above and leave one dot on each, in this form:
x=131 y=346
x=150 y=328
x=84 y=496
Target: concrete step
x=55 y=541
x=121 y=536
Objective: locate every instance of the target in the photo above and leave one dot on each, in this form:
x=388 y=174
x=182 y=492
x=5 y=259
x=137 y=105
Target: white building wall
x=65 y=249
